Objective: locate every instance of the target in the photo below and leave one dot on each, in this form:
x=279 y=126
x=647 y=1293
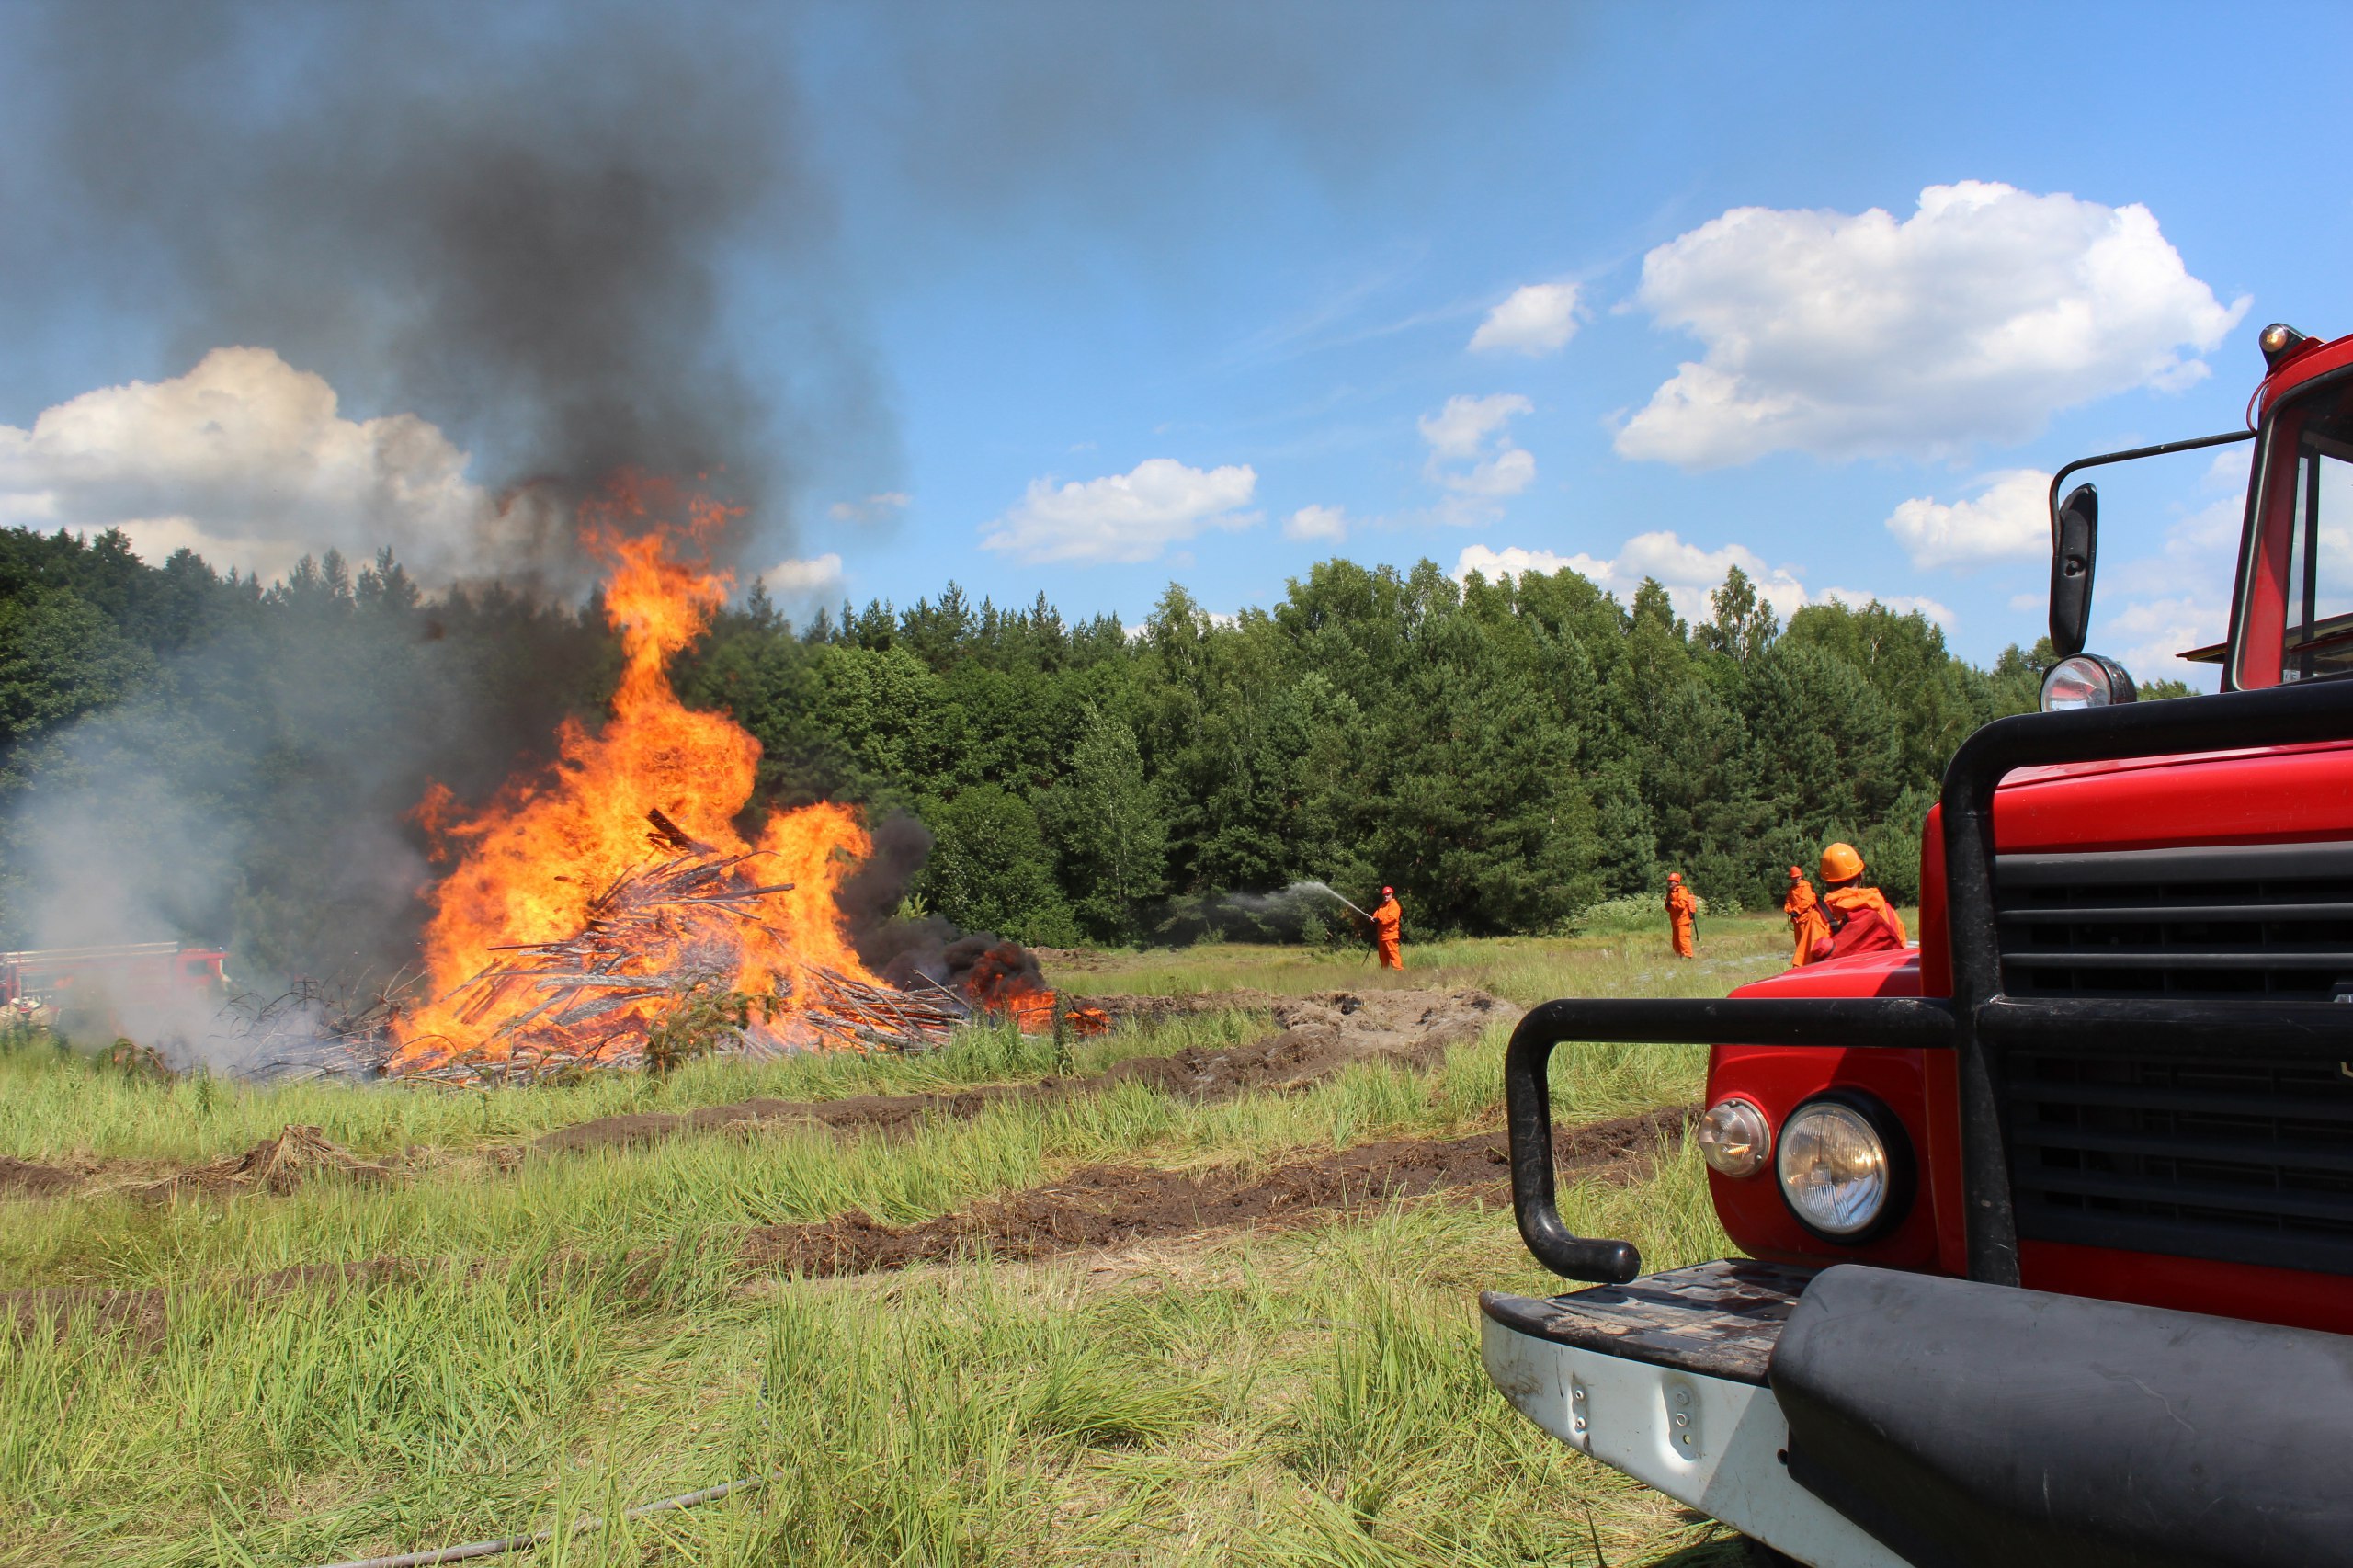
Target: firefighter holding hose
x=1386 y=917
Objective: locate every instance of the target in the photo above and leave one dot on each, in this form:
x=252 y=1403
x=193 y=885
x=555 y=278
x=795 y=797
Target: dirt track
x=1119 y=1205
x=1318 y=1038
x=1102 y=1206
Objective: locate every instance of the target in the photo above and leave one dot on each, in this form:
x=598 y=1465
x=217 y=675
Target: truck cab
x=2048 y=1223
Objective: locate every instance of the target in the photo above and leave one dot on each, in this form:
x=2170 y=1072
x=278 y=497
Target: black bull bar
x=1977 y=1021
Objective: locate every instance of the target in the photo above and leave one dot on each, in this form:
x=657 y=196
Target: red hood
x=2260 y=795
x=2026 y=776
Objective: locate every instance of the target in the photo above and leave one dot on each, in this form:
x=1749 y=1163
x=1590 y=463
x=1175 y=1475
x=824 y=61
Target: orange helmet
x=1841 y=863
x=1675 y=876
x=1796 y=875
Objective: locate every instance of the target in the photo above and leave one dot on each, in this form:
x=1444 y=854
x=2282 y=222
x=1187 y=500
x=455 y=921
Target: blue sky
x=1168 y=304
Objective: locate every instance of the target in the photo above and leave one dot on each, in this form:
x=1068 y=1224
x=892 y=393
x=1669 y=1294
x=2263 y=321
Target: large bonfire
x=598 y=914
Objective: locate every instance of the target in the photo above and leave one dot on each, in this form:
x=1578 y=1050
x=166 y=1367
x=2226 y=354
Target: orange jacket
x=1386 y=917
x=1682 y=903
x=1861 y=921
x=1806 y=924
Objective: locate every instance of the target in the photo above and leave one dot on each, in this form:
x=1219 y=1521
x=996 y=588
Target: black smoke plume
x=521 y=223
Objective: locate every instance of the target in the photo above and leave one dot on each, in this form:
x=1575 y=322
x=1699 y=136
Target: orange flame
x=536 y=858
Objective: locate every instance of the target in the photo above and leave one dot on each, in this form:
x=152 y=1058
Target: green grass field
x=544 y=1339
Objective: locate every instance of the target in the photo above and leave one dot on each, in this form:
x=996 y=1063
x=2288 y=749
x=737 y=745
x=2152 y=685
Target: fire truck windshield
x=2317 y=637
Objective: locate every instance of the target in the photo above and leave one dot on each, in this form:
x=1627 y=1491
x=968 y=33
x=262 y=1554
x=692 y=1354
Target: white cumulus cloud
x=1536 y=320
x=797 y=582
x=1688 y=573
x=1317 y=522
x=1974 y=319
x=1473 y=455
x=1510 y=561
x=1123 y=516
x=2008 y=518
x=248 y=461
x=2145 y=634
x=1901 y=604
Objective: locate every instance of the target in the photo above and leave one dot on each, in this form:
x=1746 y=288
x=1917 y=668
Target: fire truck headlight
x=1735 y=1138
x=1843 y=1166
x=2085 y=680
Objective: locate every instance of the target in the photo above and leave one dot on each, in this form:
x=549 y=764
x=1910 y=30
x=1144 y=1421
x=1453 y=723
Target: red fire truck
x=2049 y=1221
x=38 y=983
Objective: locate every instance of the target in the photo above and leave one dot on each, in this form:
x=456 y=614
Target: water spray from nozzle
x=1328 y=888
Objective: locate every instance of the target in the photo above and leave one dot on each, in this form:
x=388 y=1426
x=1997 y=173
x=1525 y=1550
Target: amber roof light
x=2279 y=340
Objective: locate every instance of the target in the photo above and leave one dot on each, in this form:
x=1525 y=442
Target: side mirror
x=2075 y=544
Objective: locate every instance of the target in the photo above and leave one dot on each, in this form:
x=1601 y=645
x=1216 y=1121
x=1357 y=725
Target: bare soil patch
x=23 y=1179
x=1319 y=1037
x=1107 y=1206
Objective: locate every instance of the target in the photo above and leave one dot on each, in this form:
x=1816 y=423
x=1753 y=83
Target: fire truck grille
x=2234 y=1158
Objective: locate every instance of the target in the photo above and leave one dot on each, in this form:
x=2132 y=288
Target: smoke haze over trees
x=184 y=755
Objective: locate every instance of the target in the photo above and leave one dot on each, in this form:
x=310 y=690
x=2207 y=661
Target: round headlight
x=1841 y=1167
x=2085 y=680
x=1735 y=1138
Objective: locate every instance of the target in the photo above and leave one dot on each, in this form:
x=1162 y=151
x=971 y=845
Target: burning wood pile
x=557 y=945
x=665 y=940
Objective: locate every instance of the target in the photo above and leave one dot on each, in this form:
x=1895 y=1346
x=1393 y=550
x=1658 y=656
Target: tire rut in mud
x=1106 y=1206
x=1094 y=1208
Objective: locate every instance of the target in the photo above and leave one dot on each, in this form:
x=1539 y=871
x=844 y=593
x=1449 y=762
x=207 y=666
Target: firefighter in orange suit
x=1806 y=924
x=1860 y=919
x=1386 y=917
x=1682 y=904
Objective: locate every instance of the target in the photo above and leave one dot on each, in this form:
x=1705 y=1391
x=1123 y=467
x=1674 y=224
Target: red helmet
x=1389 y=892
x=1796 y=875
x=1675 y=876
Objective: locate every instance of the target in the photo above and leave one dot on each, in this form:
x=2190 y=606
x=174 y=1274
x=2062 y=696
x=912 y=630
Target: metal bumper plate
x=1663 y=1378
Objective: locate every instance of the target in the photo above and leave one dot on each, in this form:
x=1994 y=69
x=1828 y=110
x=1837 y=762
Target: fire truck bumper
x=1664 y=1379
x=1863 y=1417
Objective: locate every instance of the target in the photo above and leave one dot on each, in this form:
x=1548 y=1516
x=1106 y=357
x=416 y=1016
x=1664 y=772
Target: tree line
x=1506 y=754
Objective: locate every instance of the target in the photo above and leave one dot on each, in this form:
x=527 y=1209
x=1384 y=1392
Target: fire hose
x=541 y=1538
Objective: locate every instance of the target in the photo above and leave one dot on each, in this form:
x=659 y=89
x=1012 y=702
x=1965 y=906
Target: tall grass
x=1524 y=968
x=1309 y=1397
x=688 y=1186
x=573 y=1334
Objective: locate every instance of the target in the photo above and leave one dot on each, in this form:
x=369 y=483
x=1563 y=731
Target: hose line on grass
x=541 y=1538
